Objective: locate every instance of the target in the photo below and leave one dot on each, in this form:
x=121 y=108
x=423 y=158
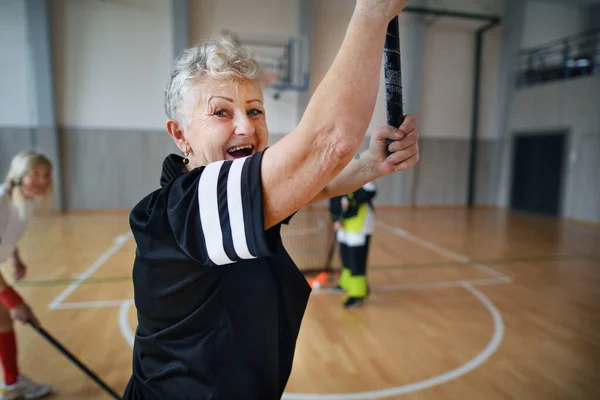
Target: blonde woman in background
x=29 y=179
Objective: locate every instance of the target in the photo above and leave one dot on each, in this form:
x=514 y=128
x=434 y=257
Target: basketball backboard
x=285 y=59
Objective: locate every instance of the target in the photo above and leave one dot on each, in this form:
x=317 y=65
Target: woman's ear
x=176 y=132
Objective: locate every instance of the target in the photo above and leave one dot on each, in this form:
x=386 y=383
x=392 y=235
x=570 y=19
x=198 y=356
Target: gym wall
x=438 y=64
x=573 y=106
x=569 y=105
x=111 y=59
x=15 y=117
x=548 y=21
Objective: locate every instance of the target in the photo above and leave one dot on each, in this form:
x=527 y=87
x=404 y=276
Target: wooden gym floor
x=465 y=305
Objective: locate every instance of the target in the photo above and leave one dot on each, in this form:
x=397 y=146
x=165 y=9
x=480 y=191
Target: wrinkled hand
x=23 y=313
x=20 y=270
x=404 y=148
x=384 y=8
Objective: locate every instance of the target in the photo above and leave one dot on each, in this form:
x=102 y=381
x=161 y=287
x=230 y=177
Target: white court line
x=118 y=243
x=445 y=252
x=424 y=243
x=490 y=271
x=90 y=304
x=475 y=362
x=423 y=285
x=316 y=292
x=482 y=357
x=124 y=322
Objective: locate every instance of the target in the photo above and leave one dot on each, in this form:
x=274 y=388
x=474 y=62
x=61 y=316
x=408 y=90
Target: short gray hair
x=220 y=59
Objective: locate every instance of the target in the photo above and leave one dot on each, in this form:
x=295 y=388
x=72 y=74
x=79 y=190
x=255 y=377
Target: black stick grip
x=393 y=77
x=71 y=357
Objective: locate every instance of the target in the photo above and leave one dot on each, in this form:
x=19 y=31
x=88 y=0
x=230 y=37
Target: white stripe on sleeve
x=236 y=209
x=209 y=214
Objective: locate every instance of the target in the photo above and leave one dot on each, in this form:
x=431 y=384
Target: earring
x=185 y=159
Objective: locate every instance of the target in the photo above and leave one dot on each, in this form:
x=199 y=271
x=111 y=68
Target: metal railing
x=572 y=56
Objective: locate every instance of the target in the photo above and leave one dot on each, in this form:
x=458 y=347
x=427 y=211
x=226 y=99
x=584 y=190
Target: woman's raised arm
x=300 y=165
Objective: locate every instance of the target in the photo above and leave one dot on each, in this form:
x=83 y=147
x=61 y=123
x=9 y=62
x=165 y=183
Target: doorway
x=537 y=179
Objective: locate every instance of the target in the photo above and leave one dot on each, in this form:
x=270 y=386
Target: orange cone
x=318 y=281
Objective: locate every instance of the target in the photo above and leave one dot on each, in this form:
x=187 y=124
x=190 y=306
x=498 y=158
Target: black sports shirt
x=219 y=300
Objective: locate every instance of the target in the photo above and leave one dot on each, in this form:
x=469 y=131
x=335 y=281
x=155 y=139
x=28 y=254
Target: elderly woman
x=29 y=179
x=219 y=300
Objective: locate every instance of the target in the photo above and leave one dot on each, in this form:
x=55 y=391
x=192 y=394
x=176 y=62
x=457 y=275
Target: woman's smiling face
x=225 y=121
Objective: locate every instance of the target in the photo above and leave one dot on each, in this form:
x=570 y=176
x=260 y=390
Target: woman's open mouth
x=240 y=151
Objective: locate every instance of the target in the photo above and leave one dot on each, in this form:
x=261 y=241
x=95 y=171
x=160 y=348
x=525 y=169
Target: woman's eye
x=254 y=112
x=221 y=113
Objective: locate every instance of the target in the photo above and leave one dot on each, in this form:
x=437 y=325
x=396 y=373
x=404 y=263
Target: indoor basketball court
x=464 y=304
x=484 y=263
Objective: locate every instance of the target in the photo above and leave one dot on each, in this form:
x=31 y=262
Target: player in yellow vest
x=354 y=218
